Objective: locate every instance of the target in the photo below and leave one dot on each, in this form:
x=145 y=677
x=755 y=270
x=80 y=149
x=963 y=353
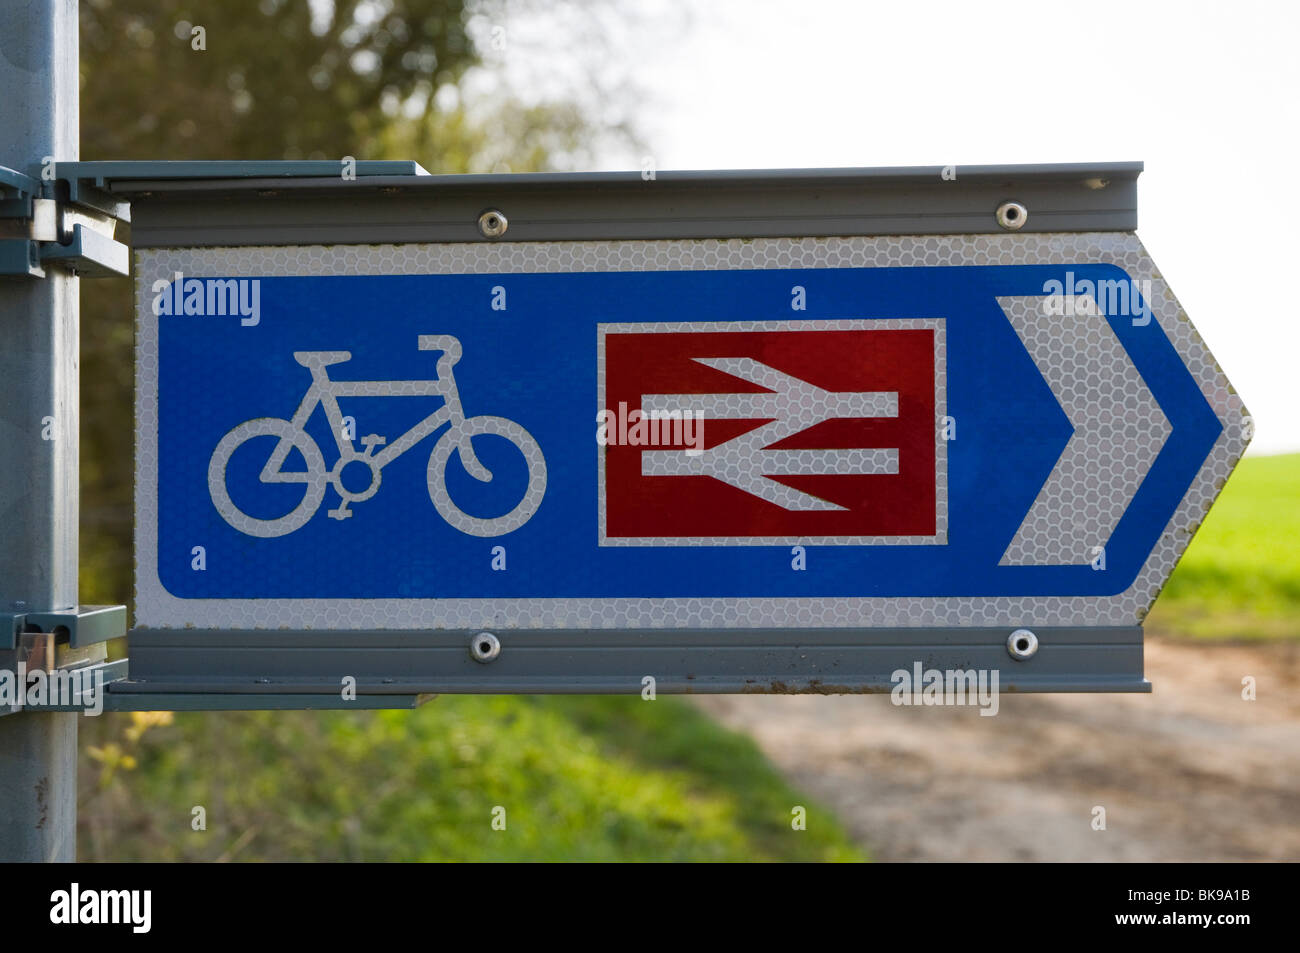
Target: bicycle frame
x=326 y=393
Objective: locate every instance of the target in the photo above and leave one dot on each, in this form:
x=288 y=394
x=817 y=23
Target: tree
x=242 y=79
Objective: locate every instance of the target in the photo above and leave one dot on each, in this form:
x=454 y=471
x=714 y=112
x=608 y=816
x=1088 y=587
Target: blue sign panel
x=956 y=433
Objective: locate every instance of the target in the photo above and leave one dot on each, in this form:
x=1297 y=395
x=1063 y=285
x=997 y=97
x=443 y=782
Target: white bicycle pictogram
x=292 y=434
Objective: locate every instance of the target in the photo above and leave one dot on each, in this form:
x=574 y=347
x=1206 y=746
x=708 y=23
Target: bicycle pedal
x=341 y=513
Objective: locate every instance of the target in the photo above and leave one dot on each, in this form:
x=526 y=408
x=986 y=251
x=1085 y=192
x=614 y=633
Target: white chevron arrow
x=1118 y=432
x=794 y=405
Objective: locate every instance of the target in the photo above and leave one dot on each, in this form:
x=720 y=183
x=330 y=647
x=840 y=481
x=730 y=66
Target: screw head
x=1022 y=644
x=1012 y=216
x=484 y=647
x=493 y=223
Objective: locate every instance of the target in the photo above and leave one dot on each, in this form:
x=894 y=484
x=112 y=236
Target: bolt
x=1022 y=644
x=484 y=647
x=1012 y=216
x=493 y=223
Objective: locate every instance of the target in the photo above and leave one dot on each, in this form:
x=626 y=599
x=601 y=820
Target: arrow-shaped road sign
x=926 y=429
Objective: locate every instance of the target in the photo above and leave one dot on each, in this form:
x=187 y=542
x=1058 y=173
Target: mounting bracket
x=83 y=625
x=67 y=223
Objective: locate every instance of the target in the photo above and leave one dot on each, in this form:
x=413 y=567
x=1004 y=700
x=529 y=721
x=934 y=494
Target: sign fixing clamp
x=67 y=640
x=81 y=625
x=67 y=224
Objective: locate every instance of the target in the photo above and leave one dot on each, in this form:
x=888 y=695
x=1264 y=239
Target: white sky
x=1205 y=94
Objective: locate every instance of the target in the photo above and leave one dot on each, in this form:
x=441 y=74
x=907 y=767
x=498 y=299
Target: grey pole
x=39 y=339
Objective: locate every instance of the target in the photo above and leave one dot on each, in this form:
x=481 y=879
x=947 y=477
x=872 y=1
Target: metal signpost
x=47 y=238
x=750 y=431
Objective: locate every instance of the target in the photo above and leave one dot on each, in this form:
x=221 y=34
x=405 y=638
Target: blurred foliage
x=277 y=79
x=114 y=756
x=587 y=779
x=1240 y=578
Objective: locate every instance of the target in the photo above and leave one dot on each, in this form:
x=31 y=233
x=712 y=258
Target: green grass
x=589 y=779
x=1240 y=578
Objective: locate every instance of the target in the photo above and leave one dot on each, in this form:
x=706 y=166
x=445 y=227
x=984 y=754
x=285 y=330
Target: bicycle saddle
x=321 y=358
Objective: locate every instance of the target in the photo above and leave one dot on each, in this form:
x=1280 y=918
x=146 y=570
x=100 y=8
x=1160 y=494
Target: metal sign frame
x=197 y=206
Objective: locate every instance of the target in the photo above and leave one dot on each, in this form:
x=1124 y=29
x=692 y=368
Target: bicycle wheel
x=315 y=482
x=437 y=476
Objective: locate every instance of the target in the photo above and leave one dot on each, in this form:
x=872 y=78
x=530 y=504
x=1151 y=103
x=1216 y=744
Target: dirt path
x=1189 y=772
